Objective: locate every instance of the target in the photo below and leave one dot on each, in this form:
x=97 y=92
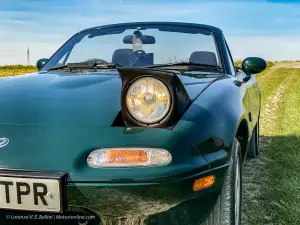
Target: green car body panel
x=54 y=120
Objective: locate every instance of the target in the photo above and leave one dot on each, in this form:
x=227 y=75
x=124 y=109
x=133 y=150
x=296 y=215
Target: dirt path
x=286 y=65
x=255 y=171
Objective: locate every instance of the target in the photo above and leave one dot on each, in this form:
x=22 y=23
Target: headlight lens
x=148 y=100
x=128 y=157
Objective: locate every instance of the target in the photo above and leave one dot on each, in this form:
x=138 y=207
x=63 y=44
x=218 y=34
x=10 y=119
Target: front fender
x=215 y=117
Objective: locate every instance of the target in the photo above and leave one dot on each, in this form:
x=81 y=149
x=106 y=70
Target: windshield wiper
x=190 y=64
x=58 y=67
x=87 y=65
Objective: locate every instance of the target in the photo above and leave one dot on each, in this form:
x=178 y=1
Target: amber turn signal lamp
x=203 y=182
x=128 y=157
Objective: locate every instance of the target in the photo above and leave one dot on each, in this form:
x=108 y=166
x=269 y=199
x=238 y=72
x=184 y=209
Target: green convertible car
x=132 y=123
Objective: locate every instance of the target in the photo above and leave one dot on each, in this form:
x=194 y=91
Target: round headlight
x=148 y=100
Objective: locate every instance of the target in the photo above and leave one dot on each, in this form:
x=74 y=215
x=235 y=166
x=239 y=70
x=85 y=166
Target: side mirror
x=41 y=62
x=253 y=65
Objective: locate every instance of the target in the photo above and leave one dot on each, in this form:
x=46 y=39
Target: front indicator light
x=128 y=157
x=204 y=182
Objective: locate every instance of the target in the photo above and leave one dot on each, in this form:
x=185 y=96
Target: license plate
x=30 y=194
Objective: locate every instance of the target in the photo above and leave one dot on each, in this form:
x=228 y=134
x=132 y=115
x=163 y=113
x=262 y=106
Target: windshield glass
x=137 y=46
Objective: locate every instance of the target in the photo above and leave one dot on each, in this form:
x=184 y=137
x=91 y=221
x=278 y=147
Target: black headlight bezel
x=126 y=91
x=179 y=97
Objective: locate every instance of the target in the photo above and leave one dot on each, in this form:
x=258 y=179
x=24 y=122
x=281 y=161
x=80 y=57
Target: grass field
x=271 y=182
x=16 y=70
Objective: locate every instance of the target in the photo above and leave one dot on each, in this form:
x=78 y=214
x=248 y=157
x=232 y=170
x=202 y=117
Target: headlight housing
x=148 y=100
x=152 y=98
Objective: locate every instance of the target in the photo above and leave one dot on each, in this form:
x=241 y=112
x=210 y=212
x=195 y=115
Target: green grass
x=272 y=182
x=284 y=155
x=269 y=81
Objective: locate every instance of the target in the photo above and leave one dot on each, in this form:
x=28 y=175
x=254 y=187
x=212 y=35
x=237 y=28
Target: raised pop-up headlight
x=148 y=100
x=128 y=157
x=152 y=98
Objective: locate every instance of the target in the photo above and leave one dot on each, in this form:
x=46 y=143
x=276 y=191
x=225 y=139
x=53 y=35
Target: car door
x=253 y=91
x=251 y=84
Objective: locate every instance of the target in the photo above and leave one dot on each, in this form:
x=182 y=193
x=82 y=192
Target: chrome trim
x=3 y=142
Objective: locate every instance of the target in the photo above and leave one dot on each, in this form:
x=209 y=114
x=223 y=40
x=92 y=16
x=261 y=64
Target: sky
x=263 y=28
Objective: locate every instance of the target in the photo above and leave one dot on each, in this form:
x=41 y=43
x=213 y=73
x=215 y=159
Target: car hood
x=86 y=99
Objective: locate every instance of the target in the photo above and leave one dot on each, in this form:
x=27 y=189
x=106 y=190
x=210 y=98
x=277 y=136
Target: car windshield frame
x=198 y=27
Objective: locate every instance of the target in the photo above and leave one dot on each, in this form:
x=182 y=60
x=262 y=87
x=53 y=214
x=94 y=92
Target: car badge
x=3 y=142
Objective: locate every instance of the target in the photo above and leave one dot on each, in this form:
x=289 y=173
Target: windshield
x=139 y=46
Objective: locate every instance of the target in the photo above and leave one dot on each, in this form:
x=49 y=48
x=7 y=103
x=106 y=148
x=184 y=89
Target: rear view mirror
x=145 y=39
x=41 y=62
x=253 y=65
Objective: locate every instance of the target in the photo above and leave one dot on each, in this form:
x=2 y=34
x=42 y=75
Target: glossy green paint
x=65 y=99
x=162 y=201
x=55 y=127
x=41 y=62
x=253 y=65
x=55 y=119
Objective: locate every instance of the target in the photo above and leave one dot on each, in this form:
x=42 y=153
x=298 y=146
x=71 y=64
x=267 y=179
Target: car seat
x=122 y=56
x=204 y=57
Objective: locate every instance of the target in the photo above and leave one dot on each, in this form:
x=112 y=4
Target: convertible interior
x=135 y=57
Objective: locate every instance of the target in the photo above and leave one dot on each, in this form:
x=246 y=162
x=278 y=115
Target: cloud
x=270 y=48
x=45 y=25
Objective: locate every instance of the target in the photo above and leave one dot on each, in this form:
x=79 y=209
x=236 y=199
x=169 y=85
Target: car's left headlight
x=148 y=100
x=152 y=98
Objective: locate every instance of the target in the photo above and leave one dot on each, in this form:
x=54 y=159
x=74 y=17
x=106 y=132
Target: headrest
x=121 y=56
x=203 y=57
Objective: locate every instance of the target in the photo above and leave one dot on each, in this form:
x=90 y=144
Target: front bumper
x=162 y=202
x=166 y=201
x=171 y=201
